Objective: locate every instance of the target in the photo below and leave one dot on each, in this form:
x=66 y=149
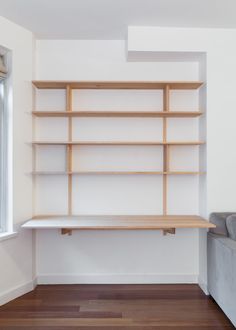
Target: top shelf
x=150 y=114
x=117 y=84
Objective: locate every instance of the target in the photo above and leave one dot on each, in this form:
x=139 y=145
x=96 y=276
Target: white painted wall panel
x=120 y=256
x=17 y=254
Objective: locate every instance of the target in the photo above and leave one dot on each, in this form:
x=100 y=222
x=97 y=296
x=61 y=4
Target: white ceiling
x=109 y=19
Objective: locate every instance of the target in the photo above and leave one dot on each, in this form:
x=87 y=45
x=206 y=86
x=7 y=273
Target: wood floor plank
x=58 y=314
x=115 y=328
x=32 y=308
x=117 y=307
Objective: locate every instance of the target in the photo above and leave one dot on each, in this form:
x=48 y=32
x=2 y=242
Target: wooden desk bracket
x=66 y=231
x=169 y=231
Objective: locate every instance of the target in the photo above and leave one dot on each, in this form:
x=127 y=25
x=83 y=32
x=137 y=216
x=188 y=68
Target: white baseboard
x=203 y=286
x=116 y=278
x=17 y=291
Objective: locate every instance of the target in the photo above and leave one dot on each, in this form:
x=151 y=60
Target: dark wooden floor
x=84 y=307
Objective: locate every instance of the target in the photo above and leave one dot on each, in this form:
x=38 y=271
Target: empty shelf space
x=117 y=84
x=161 y=114
x=118 y=143
x=116 y=222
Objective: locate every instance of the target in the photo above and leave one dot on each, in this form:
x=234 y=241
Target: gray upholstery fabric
x=221 y=260
x=231 y=226
x=219 y=219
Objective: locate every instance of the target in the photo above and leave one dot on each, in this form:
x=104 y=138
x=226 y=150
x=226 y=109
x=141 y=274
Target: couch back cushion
x=231 y=226
x=219 y=219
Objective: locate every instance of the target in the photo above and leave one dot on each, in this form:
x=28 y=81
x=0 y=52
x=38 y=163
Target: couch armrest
x=221 y=260
x=219 y=219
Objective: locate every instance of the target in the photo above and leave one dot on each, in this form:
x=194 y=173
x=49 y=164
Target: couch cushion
x=231 y=226
x=219 y=219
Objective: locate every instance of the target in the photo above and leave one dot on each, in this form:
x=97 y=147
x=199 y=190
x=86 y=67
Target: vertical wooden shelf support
x=33 y=153
x=166 y=108
x=69 y=156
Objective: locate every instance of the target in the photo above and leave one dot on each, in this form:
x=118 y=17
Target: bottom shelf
x=118 y=222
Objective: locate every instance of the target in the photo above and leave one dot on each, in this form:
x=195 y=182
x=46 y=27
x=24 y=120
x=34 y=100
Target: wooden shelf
x=117 y=84
x=184 y=173
x=117 y=172
x=116 y=222
x=118 y=143
x=98 y=172
x=141 y=114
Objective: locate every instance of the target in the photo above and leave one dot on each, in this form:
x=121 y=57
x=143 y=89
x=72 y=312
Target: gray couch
x=221 y=259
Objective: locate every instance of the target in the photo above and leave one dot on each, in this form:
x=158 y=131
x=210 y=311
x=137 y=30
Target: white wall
x=139 y=256
x=16 y=254
x=103 y=60
x=220 y=50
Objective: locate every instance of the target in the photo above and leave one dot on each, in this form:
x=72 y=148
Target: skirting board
x=17 y=291
x=203 y=286
x=117 y=278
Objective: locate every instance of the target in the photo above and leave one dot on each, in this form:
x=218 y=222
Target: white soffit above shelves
x=151 y=56
x=109 y=20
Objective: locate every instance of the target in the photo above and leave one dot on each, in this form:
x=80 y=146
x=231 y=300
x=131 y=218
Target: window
x=4 y=171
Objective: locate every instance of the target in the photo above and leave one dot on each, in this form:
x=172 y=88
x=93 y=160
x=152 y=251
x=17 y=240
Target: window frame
x=6 y=220
x=3 y=158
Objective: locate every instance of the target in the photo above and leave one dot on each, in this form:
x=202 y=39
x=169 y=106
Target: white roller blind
x=3 y=69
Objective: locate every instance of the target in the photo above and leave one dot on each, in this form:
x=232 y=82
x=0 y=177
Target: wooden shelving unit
x=168 y=223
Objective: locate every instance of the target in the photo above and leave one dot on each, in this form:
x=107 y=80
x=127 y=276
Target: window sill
x=7 y=235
